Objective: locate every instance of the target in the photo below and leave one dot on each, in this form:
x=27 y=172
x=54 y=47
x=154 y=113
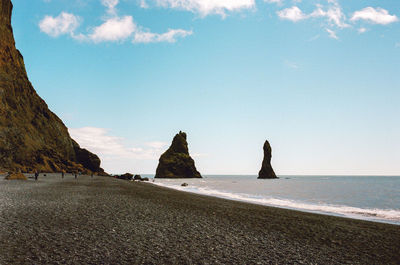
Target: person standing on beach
x=76 y=175
x=62 y=174
x=36 y=175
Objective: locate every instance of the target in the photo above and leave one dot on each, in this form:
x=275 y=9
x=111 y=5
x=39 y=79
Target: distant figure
x=36 y=175
x=92 y=175
x=62 y=174
x=76 y=175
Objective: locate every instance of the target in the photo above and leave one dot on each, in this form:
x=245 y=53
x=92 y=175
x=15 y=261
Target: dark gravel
x=108 y=221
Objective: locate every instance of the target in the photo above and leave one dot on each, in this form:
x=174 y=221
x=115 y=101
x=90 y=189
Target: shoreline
x=368 y=219
x=248 y=198
x=108 y=221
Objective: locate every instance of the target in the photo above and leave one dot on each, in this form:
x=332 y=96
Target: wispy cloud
x=111 y=6
x=170 y=36
x=333 y=13
x=207 y=7
x=316 y=37
x=99 y=141
x=332 y=34
x=291 y=64
x=279 y=2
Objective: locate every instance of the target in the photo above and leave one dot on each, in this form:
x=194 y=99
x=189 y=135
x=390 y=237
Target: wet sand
x=102 y=220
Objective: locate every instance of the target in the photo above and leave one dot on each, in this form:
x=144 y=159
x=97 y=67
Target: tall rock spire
x=266 y=171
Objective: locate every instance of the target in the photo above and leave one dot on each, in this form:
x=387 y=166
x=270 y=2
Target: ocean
x=374 y=198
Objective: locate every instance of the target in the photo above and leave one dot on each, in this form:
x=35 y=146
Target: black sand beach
x=108 y=221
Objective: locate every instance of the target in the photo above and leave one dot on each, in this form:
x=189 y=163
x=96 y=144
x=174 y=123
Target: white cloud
x=169 y=36
x=65 y=23
x=333 y=13
x=109 y=147
x=362 y=30
x=206 y=7
x=114 y=29
x=376 y=16
x=397 y=45
x=293 y=14
x=332 y=34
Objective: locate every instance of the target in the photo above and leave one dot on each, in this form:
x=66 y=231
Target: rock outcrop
x=31 y=136
x=176 y=161
x=126 y=176
x=16 y=176
x=266 y=171
x=139 y=178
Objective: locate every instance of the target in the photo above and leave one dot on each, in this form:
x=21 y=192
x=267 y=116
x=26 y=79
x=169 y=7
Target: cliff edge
x=31 y=136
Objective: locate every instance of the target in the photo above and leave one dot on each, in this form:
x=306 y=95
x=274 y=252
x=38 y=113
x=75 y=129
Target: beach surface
x=103 y=220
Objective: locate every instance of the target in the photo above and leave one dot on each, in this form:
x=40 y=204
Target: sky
x=320 y=79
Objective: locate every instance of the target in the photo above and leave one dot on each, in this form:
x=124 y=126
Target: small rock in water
x=184 y=185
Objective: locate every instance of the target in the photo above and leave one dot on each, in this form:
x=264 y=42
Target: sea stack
x=176 y=161
x=266 y=171
x=31 y=136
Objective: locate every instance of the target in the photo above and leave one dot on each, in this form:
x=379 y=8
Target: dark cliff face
x=266 y=171
x=176 y=161
x=31 y=136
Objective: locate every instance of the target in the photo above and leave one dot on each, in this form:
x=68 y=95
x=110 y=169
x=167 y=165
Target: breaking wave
x=386 y=215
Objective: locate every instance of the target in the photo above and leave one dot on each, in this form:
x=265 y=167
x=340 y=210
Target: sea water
x=374 y=198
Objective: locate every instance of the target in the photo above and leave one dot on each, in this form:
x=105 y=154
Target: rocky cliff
x=31 y=136
x=176 y=161
x=266 y=171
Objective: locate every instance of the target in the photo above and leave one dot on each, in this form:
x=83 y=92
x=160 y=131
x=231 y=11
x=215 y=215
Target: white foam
x=348 y=211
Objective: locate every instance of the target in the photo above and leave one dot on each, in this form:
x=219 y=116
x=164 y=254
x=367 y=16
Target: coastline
x=344 y=211
x=108 y=221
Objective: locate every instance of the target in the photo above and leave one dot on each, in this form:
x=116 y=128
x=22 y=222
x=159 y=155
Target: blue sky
x=319 y=79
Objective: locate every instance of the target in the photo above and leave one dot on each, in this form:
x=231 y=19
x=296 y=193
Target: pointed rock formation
x=266 y=171
x=176 y=161
x=31 y=136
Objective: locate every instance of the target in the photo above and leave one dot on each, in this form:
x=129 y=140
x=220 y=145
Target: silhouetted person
x=36 y=175
x=62 y=174
x=76 y=175
x=91 y=175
